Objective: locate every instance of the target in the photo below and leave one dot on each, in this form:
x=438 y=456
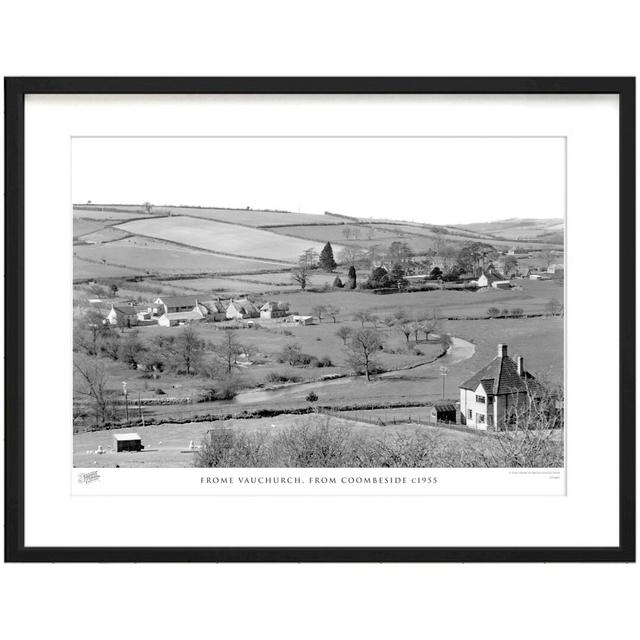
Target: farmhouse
x=241 y=309
x=128 y=442
x=501 y=284
x=216 y=308
x=180 y=318
x=538 y=276
x=128 y=315
x=176 y=304
x=557 y=269
x=274 y=310
x=488 y=277
x=487 y=397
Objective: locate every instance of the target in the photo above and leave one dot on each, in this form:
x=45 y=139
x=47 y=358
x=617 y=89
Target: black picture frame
x=15 y=91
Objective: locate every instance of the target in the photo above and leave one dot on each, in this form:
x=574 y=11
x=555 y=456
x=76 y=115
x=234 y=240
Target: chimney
x=520 y=363
x=502 y=351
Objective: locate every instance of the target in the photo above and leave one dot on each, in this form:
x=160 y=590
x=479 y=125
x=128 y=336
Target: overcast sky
x=433 y=180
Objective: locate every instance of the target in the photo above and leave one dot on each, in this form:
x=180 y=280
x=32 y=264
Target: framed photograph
x=320 y=319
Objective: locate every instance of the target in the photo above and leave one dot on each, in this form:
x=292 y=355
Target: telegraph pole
x=443 y=373
x=126 y=400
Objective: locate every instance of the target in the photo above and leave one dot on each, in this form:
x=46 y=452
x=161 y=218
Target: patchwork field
x=83 y=269
x=106 y=234
x=221 y=237
x=255 y=217
x=166 y=259
x=235 y=286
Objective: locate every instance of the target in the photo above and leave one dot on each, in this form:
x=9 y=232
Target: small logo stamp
x=88 y=477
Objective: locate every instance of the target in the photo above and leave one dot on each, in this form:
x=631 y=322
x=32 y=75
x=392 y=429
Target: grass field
x=83 y=270
x=106 y=234
x=167 y=445
x=164 y=259
x=255 y=217
x=236 y=286
x=222 y=237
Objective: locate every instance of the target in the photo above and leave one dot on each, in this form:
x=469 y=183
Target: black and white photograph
x=318 y=302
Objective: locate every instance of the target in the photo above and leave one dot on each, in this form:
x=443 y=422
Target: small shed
x=128 y=442
x=443 y=412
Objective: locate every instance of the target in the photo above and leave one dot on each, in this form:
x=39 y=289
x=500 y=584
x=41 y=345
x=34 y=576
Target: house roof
x=491 y=274
x=273 y=306
x=243 y=305
x=499 y=377
x=130 y=310
x=179 y=301
x=214 y=306
x=445 y=406
x=182 y=315
x=126 y=436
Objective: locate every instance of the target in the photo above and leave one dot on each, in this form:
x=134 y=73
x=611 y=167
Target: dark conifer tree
x=327 y=261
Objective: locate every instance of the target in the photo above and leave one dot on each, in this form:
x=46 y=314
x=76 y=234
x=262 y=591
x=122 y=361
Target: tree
x=493 y=312
x=431 y=324
x=317 y=311
x=327 y=261
x=363 y=316
x=337 y=283
x=474 y=255
x=547 y=258
x=344 y=333
x=147 y=207
x=396 y=276
x=399 y=252
x=404 y=327
x=300 y=275
x=114 y=290
x=291 y=353
x=189 y=348
x=351 y=256
x=90 y=382
x=436 y=273
x=377 y=278
x=510 y=265
x=332 y=312
x=228 y=350
x=554 y=307
x=346 y=231
x=351 y=278
x=131 y=350
x=308 y=259
x=362 y=350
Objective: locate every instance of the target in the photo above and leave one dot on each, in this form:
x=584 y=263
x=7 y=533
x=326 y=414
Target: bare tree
x=363 y=316
x=344 y=333
x=300 y=275
x=362 y=350
x=90 y=383
x=189 y=348
x=332 y=312
x=228 y=350
x=405 y=328
x=555 y=307
x=318 y=311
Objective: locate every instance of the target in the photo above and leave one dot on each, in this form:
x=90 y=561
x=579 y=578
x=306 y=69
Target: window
x=470 y=414
x=480 y=417
x=480 y=399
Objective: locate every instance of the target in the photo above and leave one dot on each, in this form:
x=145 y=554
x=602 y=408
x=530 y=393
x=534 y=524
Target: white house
x=488 y=277
x=178 y=304
x=274 y=310
x=178 y=318
x=486 y=398
x=241 y=309
x=128 y=315
x=501 y=284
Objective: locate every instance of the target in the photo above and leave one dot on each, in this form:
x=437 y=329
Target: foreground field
x=167 y=445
